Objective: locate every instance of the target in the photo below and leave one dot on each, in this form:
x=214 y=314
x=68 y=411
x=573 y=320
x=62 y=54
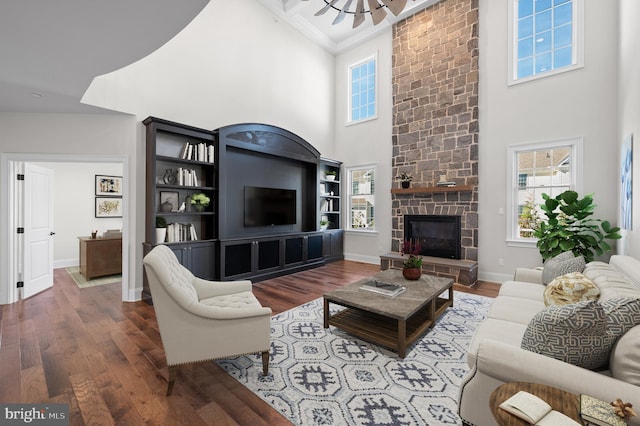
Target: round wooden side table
x=559 y=400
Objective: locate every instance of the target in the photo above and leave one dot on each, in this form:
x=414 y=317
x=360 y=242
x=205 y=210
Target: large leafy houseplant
x=570 y=227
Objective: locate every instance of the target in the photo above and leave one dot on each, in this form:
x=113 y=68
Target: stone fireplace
x=435 y=128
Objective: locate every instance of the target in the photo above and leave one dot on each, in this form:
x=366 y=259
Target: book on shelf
x=198 y=152
x=535 y=411
x=599 y=412
x=179 y=232
x=388 y=289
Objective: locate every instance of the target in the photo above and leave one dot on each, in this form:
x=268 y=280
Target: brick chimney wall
x=435 y=113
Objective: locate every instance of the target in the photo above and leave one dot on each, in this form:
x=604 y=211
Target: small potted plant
x=199 y=202
x=405 y=179
x=330 y=175
x=412 y=266
x=161 y=229
x=324 y=224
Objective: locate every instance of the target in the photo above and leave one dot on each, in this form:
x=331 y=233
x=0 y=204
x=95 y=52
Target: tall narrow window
x=361 y=198
x=362 y=90
x=546 y=37
x=550 y=168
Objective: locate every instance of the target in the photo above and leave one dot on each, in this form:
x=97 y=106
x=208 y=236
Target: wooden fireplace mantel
x=432 y=189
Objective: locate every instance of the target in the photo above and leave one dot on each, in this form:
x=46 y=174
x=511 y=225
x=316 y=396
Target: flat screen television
x=269 y=206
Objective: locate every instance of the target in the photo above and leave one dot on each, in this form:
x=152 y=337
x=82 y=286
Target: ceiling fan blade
x=377 y=13
x=343 y=13
x=358 y=18
x=327 y=7
x=395 y=6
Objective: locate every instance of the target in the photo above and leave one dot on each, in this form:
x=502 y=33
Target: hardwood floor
x=104 y=357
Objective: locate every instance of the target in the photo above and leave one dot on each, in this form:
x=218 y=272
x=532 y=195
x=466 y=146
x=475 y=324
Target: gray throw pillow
x=562 y=264
x=582 y=333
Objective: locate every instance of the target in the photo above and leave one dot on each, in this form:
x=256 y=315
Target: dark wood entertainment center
x=239 y=156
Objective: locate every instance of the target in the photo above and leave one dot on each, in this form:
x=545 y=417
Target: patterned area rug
x=79 y=279
x=327 y=377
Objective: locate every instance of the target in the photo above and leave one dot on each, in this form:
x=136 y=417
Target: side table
x=559 y=400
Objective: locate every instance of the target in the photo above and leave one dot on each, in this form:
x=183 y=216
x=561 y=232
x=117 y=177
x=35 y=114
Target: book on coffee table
x=535 y=411
x=599 y=412
x=388 y=289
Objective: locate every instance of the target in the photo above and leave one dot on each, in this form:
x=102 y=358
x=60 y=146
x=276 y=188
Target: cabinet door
x=237 y=259
x=268 y=254
x=314 y=247
x=202 y=260
x=294 y=250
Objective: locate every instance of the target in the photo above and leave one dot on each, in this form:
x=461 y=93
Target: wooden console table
x=100 y=256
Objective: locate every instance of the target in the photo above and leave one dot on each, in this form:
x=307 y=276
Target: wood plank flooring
x=104 y=357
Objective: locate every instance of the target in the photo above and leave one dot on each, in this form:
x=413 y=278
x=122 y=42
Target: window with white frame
x=361 y=198
x=534 y=169
x=545 y=37
x=362 y=90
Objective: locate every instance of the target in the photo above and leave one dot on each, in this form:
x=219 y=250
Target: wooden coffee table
x=392 y=322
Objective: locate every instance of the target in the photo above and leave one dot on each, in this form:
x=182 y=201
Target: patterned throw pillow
x=570 y=288
x=563 y=263
x=571 y=333
x=582 y=333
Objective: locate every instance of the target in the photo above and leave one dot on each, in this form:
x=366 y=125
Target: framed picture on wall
x=108 y=207
x=168 y=201
x=109 y=185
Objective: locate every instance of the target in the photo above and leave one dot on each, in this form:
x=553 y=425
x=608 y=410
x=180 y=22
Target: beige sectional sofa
x=495 y=355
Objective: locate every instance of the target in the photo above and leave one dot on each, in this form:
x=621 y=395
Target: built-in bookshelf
x=181 y=167
x=329 y=194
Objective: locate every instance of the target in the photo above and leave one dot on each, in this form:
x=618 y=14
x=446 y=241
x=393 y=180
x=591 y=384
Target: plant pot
x=412 y=273
x=198 y=207
x=161 y=234
x=405 y=183
x=330 y=177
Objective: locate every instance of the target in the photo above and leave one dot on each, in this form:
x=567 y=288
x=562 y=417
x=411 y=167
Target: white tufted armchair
x=202 y=320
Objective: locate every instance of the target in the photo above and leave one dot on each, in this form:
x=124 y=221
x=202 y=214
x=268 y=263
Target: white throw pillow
x=562 y=264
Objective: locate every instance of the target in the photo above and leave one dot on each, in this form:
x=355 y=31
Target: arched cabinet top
x=267 y=139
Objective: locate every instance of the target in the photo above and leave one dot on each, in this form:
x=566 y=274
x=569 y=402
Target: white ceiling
x=51 y=50
x=342 y=36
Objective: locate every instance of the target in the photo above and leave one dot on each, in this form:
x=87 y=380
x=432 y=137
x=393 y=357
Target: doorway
x=9 y=251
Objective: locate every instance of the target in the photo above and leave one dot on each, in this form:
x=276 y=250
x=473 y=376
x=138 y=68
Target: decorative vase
x=198 y=207
x=405 y=183
x=161 y=234
x=411 y=273
x=330 y=177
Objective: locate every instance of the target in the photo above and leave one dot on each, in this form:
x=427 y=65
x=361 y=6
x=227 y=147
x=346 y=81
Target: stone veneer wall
x=435 y=129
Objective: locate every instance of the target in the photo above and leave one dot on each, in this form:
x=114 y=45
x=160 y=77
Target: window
x=361 y=198
x=362 y=90
x=550 y=168
x=545 y=38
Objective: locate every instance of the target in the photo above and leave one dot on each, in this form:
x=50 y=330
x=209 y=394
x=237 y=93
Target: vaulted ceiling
x=51 y=51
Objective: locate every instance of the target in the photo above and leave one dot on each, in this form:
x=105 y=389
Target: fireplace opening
x=438 y=235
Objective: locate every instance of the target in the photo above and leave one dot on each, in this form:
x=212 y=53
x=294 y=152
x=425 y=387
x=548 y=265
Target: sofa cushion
x=570 y=288
x=572 y=333
x=622 y=314
x=625 y=357
x=611 y=282
x=561 y=264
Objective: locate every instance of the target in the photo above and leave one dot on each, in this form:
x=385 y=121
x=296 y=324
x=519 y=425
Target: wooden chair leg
x=265 y=363
x=173 y=370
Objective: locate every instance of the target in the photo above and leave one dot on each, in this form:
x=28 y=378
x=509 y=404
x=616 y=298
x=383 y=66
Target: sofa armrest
x=207 y=289
x=507 y=363
x=529 y=275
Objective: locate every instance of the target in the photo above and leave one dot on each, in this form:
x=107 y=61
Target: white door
x=38 y=229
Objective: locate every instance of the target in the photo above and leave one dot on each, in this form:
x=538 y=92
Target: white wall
x=367 y=143
x=235 y=63
x=75 y=138
x=629 y=108
x=578 y=103
x=74 y=207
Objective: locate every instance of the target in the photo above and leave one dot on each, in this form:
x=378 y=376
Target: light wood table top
x=559 y=400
